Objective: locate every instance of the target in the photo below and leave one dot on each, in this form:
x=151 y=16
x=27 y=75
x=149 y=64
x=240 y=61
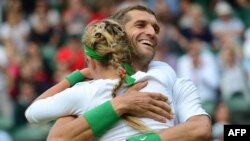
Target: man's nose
x=150 y=31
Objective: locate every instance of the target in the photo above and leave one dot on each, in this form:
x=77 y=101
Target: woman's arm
x=67 y=102
x=62 y=85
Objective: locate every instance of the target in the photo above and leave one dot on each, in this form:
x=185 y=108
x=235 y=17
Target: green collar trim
x=129 y=71
x=128 y=68
x=129 y=80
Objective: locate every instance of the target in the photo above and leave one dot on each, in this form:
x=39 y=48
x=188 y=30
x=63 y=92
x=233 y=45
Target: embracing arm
x=197 y=128
x=194 y=122
x=73 y=129
x=46 y=107
x=62 y=85
x=67 y=102
x=70 y=129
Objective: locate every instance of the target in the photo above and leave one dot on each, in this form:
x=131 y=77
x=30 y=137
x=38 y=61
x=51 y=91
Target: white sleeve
x=187 y=100
x=163 y=72
x=71 y=101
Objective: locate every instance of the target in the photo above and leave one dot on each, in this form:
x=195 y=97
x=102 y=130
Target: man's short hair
x=121 y=16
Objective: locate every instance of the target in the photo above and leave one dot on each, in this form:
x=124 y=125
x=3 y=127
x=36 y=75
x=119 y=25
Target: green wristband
x=101 y=118
x=149 y=136
x=75 y=77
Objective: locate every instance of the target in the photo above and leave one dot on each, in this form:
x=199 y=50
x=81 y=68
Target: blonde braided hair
x=108 y=38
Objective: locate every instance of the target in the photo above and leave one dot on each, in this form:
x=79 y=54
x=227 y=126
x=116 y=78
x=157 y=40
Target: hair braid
x=116 y=63
x=135 y=123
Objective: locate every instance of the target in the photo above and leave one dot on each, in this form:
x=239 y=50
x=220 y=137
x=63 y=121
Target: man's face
x=142 y=29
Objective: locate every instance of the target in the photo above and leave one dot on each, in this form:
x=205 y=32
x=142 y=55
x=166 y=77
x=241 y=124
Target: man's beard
x=141 y=61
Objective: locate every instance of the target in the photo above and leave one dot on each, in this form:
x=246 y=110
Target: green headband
x=90 y=52
x=129 y=71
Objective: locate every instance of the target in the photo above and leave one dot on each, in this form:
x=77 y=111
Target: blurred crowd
x=207 y=41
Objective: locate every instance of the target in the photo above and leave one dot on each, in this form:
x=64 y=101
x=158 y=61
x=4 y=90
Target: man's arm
x=197 y=128
x=193 y=122
x=71 y=129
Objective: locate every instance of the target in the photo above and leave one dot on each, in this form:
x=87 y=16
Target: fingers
x=138 y=86
x=161 y=108
x=157 y=96
x=156 y=117
x=159 y=105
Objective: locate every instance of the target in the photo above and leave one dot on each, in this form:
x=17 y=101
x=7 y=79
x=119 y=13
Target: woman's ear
x=91 y=62
x=87 y=60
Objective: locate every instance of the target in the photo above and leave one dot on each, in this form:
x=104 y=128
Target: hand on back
x=142 y=104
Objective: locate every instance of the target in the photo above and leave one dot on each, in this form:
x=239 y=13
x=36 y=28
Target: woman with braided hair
x=108 y=55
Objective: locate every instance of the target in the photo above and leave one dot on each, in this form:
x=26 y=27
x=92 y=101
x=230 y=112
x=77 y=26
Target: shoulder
x=184 y=86
x=163 y=72
x=159 y=65
x=154 y=64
